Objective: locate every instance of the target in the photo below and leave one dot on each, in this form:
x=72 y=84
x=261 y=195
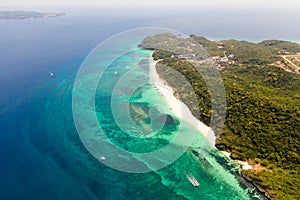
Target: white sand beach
x=244 y=164
x=178 y=108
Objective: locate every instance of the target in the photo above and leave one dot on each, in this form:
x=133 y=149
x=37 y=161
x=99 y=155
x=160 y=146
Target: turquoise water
x=128 y=109
x=42 y=156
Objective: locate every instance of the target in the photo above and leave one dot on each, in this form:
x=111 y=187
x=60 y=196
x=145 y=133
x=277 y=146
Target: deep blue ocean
x=41 y=155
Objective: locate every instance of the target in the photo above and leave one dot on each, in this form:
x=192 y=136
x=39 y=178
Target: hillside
x=281 y=54
x=20 y=14
x=262 y=117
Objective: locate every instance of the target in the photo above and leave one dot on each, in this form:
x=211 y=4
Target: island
x=7 y=15
x=262 y=83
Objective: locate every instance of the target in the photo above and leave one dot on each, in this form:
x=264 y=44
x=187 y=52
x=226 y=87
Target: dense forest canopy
x=262 y=122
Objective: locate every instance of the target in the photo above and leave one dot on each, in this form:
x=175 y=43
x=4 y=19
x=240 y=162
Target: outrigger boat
x=192 y=180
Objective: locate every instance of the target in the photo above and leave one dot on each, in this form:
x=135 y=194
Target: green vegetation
x=279 y=183
x=265 y=52
x=210 y=46
x=166 y=70
x=263 y=113
x=250 y=53
x=276 y=46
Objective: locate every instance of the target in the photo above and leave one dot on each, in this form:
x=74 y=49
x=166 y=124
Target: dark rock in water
x=145 y=47
x=166 y=119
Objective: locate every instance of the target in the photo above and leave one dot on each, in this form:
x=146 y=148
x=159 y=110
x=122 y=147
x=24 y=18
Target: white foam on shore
x=178 y=108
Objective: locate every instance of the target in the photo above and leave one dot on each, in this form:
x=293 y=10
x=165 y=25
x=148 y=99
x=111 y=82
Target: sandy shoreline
x=178 y=108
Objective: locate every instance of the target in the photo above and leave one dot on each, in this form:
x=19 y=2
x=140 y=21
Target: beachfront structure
x=185 y=56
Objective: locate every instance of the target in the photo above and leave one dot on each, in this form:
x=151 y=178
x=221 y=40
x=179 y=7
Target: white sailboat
x=102 y=158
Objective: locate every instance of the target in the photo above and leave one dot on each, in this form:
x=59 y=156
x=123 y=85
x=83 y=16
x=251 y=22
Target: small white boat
x=51 y=74
x=102 y=158
x=192 y=180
